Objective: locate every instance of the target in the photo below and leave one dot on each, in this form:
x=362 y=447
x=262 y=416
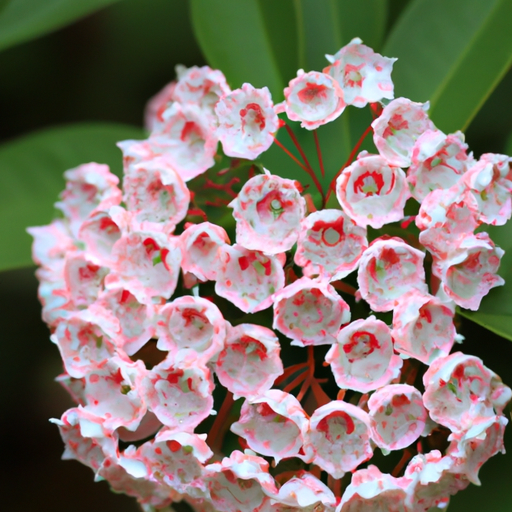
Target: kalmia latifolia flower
x=268 y=211
x=247 y=122
x=313 y=98
x=363 y=75
x=329 y=243
x=230 y=376
x=371 y=192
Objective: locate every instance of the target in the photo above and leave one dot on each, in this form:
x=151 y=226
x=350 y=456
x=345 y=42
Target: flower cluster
x=183 y=392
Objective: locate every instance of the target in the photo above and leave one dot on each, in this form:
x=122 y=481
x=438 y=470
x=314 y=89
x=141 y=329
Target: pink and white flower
x=363 y=359
x=268 y=211
x=273 y=424
x=402 y=121
x=191 y=327
x=423 y=327
x=248 y=278
x=438 y=161
x=469 y=272
x=363 y=75
x=329 y=243
x=397 y=416
x=247 y=122
x=388 y=269
x=460 y=390
x=310 y=312
x=249 y=362
x=200 y=244
x=338 y=439
x=313 y=98
x=371 y=192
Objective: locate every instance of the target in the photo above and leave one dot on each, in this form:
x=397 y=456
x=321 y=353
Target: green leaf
x=234 y=38
x=31 y=171
x=452 y=53
x=22 y=20
x=495 y=312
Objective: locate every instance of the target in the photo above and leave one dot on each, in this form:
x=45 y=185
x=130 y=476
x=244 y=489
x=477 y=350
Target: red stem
x=349 y=160
x=344 y=287
x=291 y=155
x=295 y=382
x=319 y=153
x=220 y=425
x=289 y=371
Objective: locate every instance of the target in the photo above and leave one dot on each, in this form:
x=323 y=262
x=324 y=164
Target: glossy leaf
x=451 y=53
x=22 y=20
x=495 y=312
x=31 y=177
x=237 y=42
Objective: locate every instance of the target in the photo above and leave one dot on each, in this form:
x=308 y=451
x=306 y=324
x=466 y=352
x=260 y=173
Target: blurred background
x=104 y=68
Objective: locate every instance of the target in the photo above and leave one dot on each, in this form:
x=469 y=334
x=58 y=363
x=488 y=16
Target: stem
x=321 y=396
x=334 y=485
x=295 y=382
x=220 y=425
x=298 y=146
x=407 y=455
x=308 y=167
x=290 y=154
x=348 y=162
x=319 y=153
x=289 y=371
x=344 y=287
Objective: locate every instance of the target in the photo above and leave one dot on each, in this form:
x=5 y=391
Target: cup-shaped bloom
x=157 y=105
x=338 y=439
x=434 y=479
x=99 y=232
x=186 y=139
x=200 y=245
x=470 y=450
x=133 y=323
x=268 y=211
x=248 y=278
x=83 y=342
x=177 y=459
x=423 y=327
x=83 y=277
x=310 y=312
x=202 y=86
x=490 y=184
x=402 y=121
x=363 y=75
x=388 y=269
x=469 y=272
x=51 y=242
x=363 y=359
x=89 y=187
x=247 y=122
x=329 y=243
x=240 y=483
x=273 y=424
x=371 y=192
x=127 y=474
x=147 y=264
x=446 y=216
x=438 y=161
x=313 y=98
x=397 y=416
x=303 y=492
x=155 y=193
x=372 y=490
x=113 y=391
x=85 y=437
x=191 y=326
x=179 y=395
x=460 y=390
x=249 y=362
